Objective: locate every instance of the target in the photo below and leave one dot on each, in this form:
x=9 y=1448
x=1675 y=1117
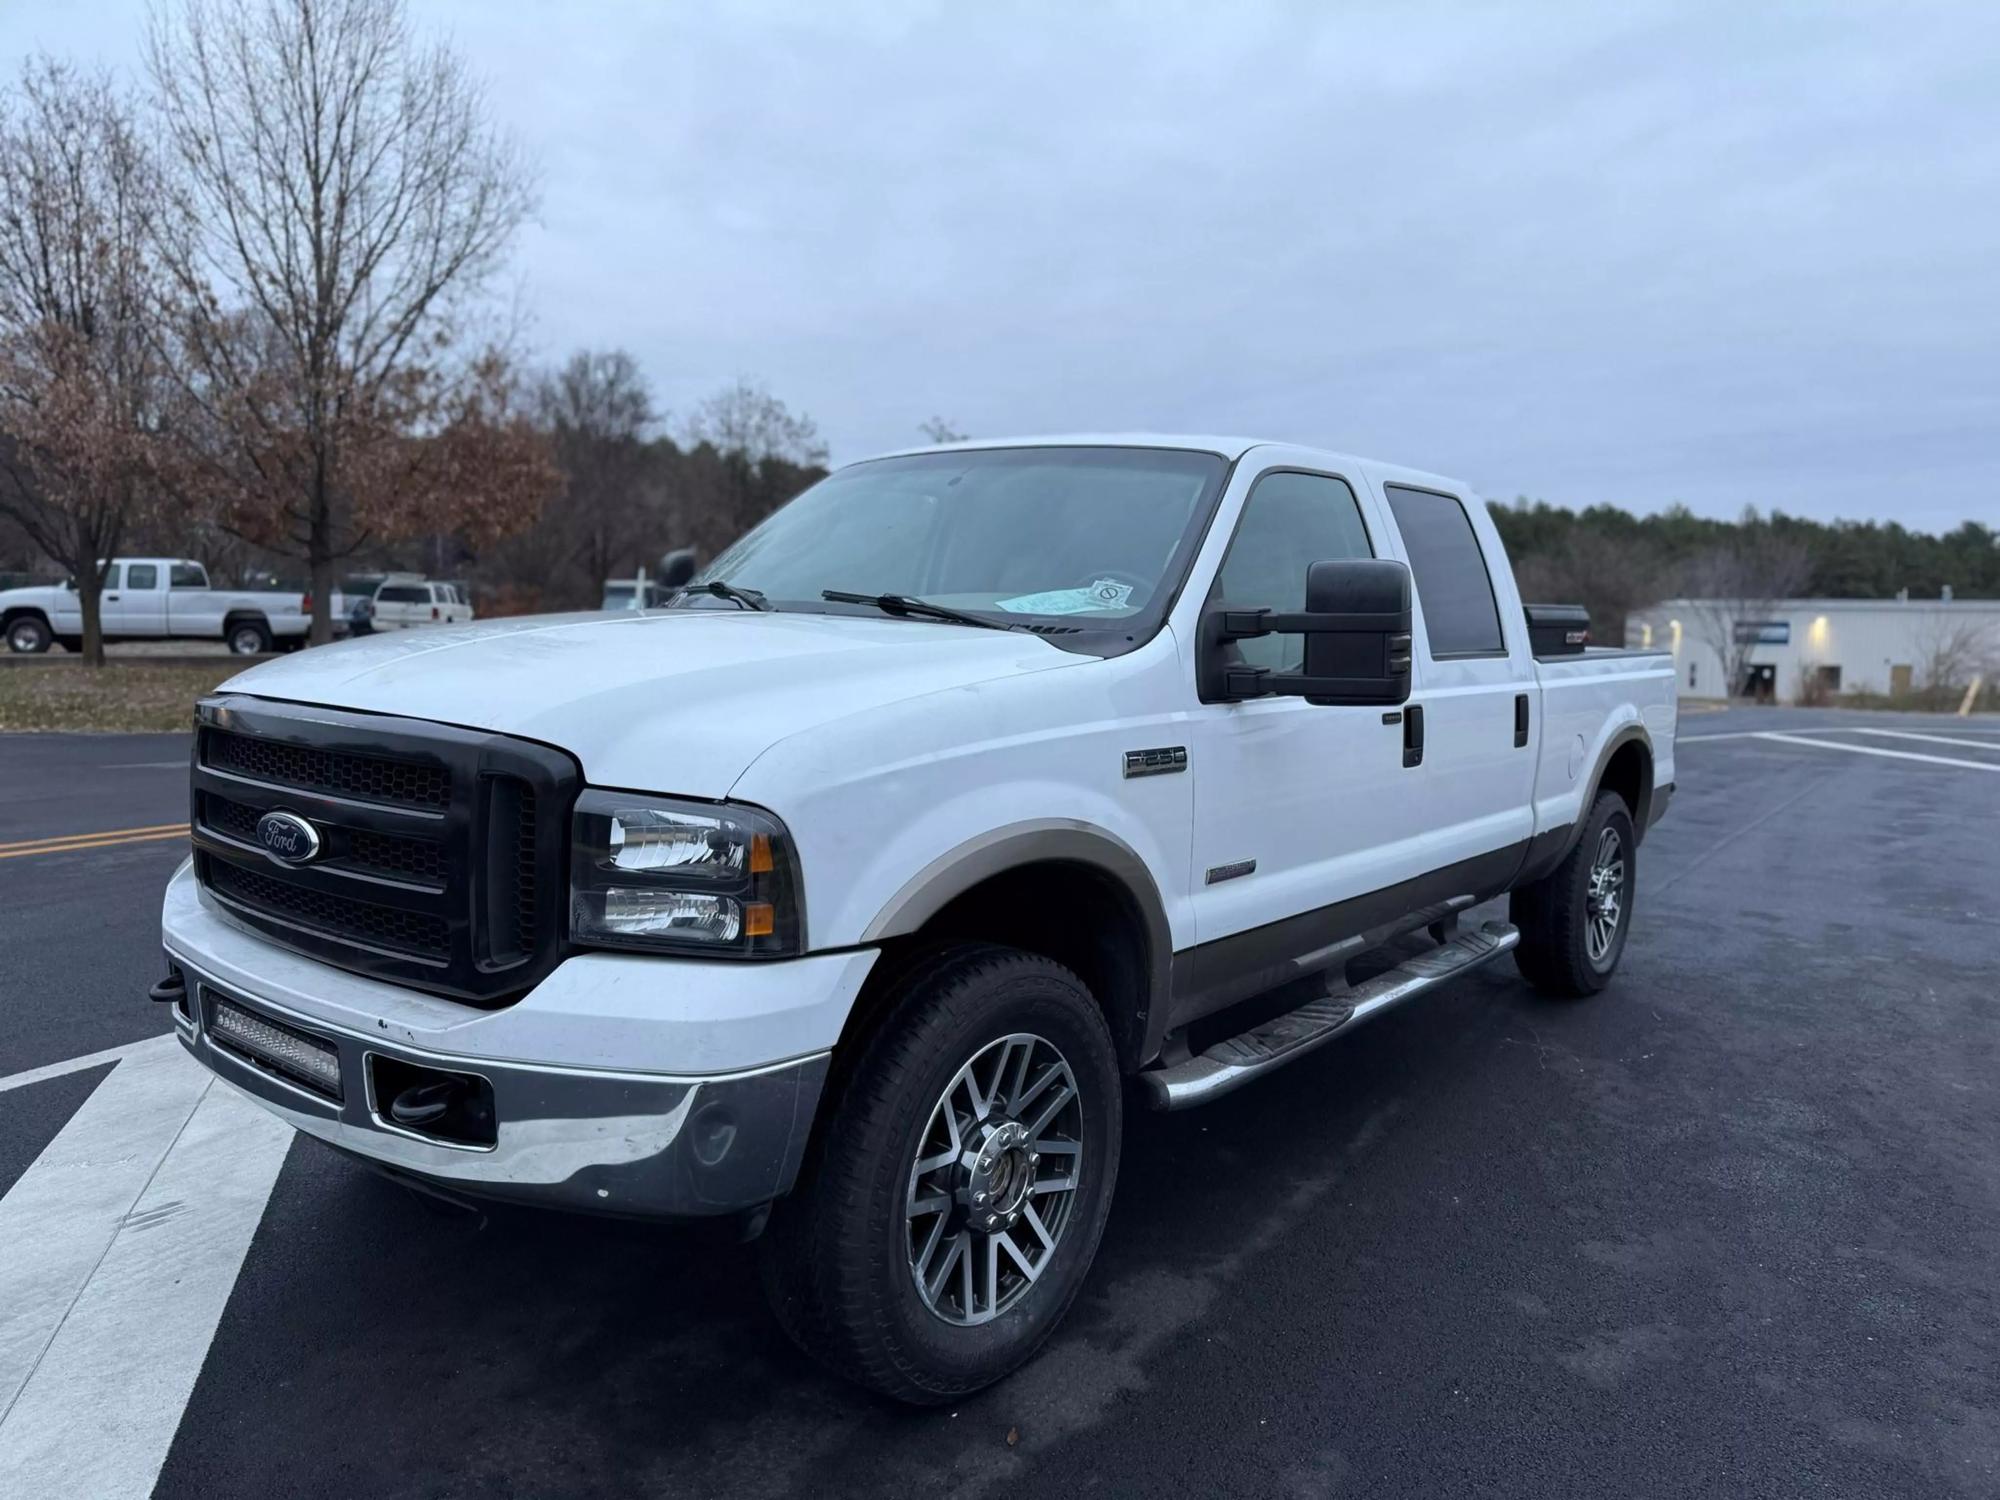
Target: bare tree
x=1609 y=577
x=338 y=195
x=599 y=412
x=745 y=418
x=81 y=381
x=1952 y=650
x=938 y=430
x=1731 y=591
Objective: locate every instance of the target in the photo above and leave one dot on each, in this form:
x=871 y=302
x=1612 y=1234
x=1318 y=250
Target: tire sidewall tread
x=1552 y=913
x=838 y=1280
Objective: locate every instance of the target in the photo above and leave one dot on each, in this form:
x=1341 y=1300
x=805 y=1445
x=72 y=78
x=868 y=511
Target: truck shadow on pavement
x=561 y=1355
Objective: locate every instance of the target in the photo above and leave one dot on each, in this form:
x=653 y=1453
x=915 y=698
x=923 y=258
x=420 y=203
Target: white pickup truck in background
x=157 y=599
x=976 y=793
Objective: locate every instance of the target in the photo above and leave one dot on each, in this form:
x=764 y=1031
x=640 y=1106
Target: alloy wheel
x=1604 y=898
x=994 y=1179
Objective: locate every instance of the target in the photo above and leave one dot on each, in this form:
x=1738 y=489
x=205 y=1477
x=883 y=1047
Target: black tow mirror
x=1356 y=625
x=676 y=567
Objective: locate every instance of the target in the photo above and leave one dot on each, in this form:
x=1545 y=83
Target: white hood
x=677 y=702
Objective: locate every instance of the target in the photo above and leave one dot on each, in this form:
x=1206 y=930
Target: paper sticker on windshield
x=1104 y=593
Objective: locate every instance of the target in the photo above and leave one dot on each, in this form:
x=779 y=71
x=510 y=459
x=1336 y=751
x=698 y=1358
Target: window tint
x=1289 y=522
x=1450 y=573
x=142 y=576
x=186 y=576
x=402 y=593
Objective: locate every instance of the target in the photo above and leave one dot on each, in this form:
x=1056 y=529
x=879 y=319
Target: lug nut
x=978 y=1197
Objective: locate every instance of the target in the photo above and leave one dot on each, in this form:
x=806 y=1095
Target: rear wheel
x=1574 y=921
x=248 y=637
x=28 y=635
x=949 y=1210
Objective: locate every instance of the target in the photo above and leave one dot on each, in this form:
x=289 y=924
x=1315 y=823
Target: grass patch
x=126 y=695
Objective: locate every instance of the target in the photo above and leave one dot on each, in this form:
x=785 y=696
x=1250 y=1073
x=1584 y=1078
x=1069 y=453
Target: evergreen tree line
x=1615 y=562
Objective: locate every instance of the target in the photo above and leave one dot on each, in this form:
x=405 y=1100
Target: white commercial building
x=1802 y=647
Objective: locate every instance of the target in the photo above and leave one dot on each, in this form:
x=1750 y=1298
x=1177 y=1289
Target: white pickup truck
x=156 y=599
x=975 y=793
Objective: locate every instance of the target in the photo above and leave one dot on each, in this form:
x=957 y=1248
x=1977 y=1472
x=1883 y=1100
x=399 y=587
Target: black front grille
x=441 y=851
x=367 y=778
x=398 y=858
x=388 y=855
x=415 y=933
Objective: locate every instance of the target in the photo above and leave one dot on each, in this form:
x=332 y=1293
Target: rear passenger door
x=1472 y=662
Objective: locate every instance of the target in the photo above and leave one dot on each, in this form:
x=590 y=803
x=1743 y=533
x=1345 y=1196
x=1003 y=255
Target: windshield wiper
x=905 y=606
x=741 y=598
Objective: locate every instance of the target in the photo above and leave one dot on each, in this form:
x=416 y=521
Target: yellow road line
x=102 y=833
x=94 y=841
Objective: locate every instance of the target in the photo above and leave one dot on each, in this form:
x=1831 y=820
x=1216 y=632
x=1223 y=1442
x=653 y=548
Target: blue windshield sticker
x=1105 y=593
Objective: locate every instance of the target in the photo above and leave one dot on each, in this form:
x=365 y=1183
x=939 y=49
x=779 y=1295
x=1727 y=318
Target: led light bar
x=304 y=1059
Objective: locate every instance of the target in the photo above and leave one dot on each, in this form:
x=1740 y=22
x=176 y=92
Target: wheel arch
x=1624 y=765
x=1069 y=891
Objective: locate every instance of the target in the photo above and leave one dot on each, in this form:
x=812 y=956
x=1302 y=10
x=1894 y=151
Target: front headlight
x=686 y=877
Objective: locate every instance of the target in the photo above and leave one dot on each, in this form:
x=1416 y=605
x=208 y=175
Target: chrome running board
x=1237 y=1060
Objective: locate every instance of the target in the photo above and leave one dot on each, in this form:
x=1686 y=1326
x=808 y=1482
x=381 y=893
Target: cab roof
x=1230 y=448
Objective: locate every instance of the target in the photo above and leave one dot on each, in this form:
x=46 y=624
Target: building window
x=1829 y=679
x=1691 y=681
x=1763 y=632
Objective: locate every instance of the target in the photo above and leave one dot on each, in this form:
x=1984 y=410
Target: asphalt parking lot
x=1732 y=1228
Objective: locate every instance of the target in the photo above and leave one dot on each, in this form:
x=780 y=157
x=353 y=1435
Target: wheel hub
x=997 y=1175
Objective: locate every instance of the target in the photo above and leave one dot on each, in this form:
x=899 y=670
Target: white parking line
x=123 y=1242
x=1935 y=760
x=78 y=1064
x=1933 y=739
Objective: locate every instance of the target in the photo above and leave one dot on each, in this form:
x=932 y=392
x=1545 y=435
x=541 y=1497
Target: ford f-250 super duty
x=973 y=793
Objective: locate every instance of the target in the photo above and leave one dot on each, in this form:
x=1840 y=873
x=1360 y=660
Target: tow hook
x=425 y=1103
x=171 y=990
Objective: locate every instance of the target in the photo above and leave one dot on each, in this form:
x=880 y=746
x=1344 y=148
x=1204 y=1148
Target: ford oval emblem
x=287 y=838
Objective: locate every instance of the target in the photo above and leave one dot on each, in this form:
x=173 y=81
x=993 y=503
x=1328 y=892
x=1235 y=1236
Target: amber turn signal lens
x=760 y=854
x=758 y=919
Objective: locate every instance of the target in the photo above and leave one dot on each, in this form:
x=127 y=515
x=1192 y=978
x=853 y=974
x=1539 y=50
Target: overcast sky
x=1724 y=254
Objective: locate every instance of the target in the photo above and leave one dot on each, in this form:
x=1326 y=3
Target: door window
x=186 y=576
x=1460 y=614
x=142 y=576
x=1290 y=521
x=111 y=577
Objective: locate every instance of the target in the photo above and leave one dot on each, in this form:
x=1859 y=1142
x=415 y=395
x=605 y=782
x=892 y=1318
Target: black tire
x=837 y=1257
x=247 y=637
x=1559 y=953
x=28 y=635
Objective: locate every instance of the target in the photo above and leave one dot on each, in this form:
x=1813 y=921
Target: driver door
x=1297 y=806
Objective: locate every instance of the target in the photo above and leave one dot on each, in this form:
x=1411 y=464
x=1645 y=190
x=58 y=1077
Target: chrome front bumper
x=568 y=1135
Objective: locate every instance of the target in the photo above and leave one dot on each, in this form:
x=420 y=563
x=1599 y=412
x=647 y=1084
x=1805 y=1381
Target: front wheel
x=1574 y=921
x=950 y=1207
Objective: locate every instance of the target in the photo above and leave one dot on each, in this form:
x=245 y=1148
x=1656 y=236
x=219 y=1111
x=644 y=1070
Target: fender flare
x=1064 y=840
x=1552 y=848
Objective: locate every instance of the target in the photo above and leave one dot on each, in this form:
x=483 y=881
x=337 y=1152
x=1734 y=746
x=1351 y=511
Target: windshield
x=1084 y=537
